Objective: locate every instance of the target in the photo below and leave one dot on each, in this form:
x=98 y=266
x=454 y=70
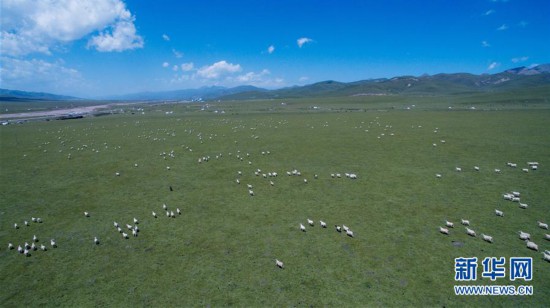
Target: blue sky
x=106 y=47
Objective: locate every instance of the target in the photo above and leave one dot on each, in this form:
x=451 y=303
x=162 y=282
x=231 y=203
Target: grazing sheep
x=178 y=211
x=136 y=228
x=172 y=214
x=33 y=219
x=349 y=233
x=305 y=181
x=302 y=228
x=523 y=205
x=117 y=173
x=524 y=236
x=497 y=170
x=34 y=238
x=33 y=247
x=534 y=167
x=547 y=252
x=238 y=182
x=338 y=175
x=542 y=225
x=345 y=228
x=437 y=175
x=310 y=222
x=332 y=175
x=129 y=227
x=124 y=235
x=136 y=221
x=26 y=223
x=10 y=246
x=119 y=229
x=134 y=233
x=279 y=264
x=20 y=249
x=43 y=248
x=115 y=224
x=323 y=224
x=27 y=253
x=164 y=207
x=27 y=246
x=15 y=226
x=53 y=243
x=487 y=238
x=516 y=199
x=249 y=186
x=546 y=256
x=476 y=168
x=154 y=214
x=547 y=237
x=508 y=196
x=465 y=222
x=86 y=214
x=499 y=213
x=167 y=214
x=525 y=170
x=449 y=224
x=532 y=245
x=458 y=169
x=444 y=230
x=470 y=232
x=338 y=228
x=250 y=192
x=516 y=193
x=96 y=241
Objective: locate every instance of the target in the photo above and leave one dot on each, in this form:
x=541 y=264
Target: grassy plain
x=221 y=250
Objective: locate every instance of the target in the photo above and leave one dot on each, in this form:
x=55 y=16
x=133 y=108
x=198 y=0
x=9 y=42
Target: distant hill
x=439 y=84
x=458 y=83
x=14 y=95
x=204 y=93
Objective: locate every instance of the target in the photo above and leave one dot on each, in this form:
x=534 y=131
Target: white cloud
x=176 y=53
x=39 y=75
x=303 y=40
x=165 y=37
x=165 y=64
x=523 y=24
x=492 y=66
x=175 y=68
x=123 y=37
x=271 y=49
x=489 y=12
x=303 y=78
x=37 y=26
x=503 y=27
x=485 y=44
x=218 y=69
x=252 y=77
x=186 y=67
x=520 y=59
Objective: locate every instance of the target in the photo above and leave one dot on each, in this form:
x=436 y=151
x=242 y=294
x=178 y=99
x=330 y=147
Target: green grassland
x=221 y=250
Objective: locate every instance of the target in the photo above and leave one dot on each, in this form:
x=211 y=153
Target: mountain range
x=439 y=84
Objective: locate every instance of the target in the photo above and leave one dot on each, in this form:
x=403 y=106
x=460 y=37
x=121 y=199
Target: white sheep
x=487 y=238
x=305 y=181
x=26 y=223
x=15 y=226
x=164 y=207
x=249 y=186
x=349 y=233
x=124 y=235
x=43 y=248
x=178 y=211
x=532 y=245
x=115 y=224
x=542 y=225
x=279 y=263
x=310 y=222
x=497 y=170
x=458 y=169
x=499 y=213
x=33 y=247
x=523 y=205
x=444 y=230
x=20 y=249
x=86 y=214
x=34 y=238
x=476 y=168
x=437 y=175
x=172 y=214
x=534 y=167
x=345 y=228
x=524 y=235
x=33 y=219
x=238 y=182
x=129 y=226
x=470 y=232
x=27 y=253
x=516 y=193
x=117 y=173
x=250 y=192
x=302 y=228
x=136 y=228
x=134 y=233
x=27 y=246
x=465 y=222
x=119 y=229
x=449 y=224
x=547 y=236
x=154 y=214
x=516 y=199
x=96 y=240
x=338 y=228
x=323 y=224
x=525 y=170
x=10 y=246
x=136 y=221
x=53 y=243
x=546 y=256
x=167 y=214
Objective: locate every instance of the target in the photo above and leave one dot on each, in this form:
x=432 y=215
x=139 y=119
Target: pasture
x=221 y=250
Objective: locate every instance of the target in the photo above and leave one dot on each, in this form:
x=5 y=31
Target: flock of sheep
x=513 y=196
